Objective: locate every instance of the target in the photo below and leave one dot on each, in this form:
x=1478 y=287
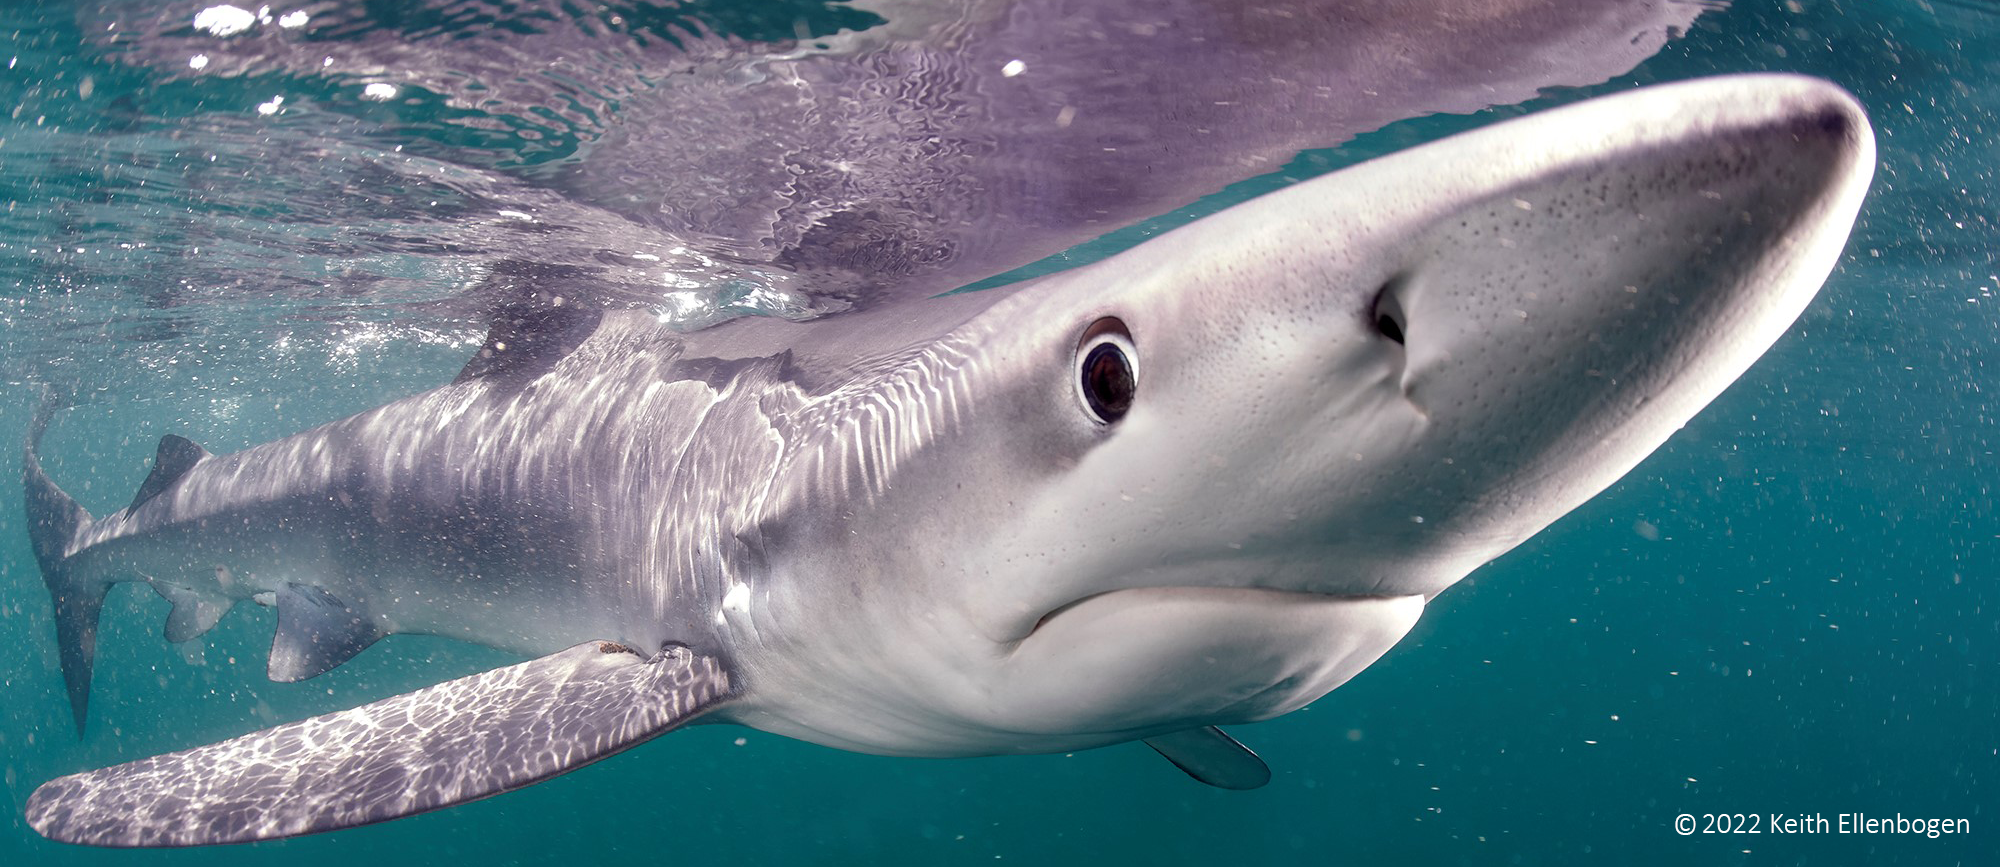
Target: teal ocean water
x=1792 y=608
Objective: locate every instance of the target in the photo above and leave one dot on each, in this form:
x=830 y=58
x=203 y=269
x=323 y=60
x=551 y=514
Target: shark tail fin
x=54 y=520
x=454 y=742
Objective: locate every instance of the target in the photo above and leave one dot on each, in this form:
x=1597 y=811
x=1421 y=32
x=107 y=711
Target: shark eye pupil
x=1107 y=382
x=1107 y=376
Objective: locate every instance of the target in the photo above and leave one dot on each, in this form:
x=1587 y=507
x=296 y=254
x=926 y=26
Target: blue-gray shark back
x=1199 y=483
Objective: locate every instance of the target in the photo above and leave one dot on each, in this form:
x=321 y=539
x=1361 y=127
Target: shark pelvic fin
x=53 y=523
x=175 y=456
x=1210 y=755
x=194 y=613
x=316 y=633
x=455 y=742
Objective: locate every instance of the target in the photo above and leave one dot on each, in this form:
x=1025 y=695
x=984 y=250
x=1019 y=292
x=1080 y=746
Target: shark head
x=1211 y=478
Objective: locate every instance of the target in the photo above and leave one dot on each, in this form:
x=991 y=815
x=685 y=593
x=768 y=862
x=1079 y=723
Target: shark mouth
x=1156 y=659
x=1273 y=594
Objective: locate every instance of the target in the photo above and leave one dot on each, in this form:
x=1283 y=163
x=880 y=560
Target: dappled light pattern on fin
x=1210 y=755
x=448 y=744
x=525 y=340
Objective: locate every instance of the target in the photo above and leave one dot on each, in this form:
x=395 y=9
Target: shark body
x=1202 y=482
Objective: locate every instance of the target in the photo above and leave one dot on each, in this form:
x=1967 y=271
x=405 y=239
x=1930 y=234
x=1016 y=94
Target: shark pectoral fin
x=194 y=613
x=316 y=632
x=1210 y=755
x=425 y=750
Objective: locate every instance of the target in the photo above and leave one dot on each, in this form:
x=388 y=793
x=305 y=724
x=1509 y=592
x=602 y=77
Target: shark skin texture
x=1199 y=483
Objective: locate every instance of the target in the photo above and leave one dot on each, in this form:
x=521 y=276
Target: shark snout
x=1558 y=325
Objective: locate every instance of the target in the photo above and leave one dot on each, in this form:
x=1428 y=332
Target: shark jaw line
x=1149 y=660
x=1142 y=595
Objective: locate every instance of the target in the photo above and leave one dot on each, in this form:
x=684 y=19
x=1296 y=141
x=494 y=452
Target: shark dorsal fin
x=526 y=341
x=176 y=455
x=316 y=633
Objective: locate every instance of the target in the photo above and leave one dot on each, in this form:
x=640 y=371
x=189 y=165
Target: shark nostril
x=1389 y=328
x=1388 y=313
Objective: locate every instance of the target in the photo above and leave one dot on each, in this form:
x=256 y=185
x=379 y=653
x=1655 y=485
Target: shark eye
x=1107 y=370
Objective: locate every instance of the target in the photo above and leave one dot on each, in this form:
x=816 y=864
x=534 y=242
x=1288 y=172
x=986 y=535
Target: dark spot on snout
x=1832 y=122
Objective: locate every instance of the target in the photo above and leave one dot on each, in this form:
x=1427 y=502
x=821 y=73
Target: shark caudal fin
x=459 y=741
x=53 y=523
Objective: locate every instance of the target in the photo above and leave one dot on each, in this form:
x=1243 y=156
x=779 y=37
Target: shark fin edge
x=458 y=741
x=526 y=339
x=174 y=457
x=54 y=520
x=1211 y=756
x=194 y=613
x=316 y=633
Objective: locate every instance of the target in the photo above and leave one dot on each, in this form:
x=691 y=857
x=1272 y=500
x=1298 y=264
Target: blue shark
x=1199 y=483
